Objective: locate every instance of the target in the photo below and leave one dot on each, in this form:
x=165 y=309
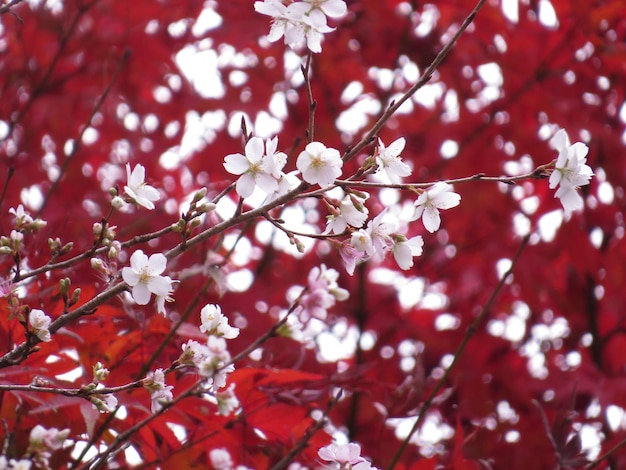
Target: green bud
x=199 y=195
x=75 y=296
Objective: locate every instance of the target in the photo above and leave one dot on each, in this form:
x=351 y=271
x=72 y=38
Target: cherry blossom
x=214 y=322
x=210 y=359
x=427 y=206
x=350 y=256
x=322 y=293
x=344 y=456
x=375 y=238
x=145 y=279
x=389 y=161
x=104 y=403
x=40 y=322
x=351 y=212
x=319 y=164
x=301 y=23
x=226 y=401
x=160 y=393
x=21 y=216
x=138 y=190
x=570 y=171
x=405 y=250
x=260 y=166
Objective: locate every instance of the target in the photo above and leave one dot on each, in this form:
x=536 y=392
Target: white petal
x=245 y=185
x=157 y=263
x=130 y=277
x=236 y=163
x=255 y=149
x=141 y=294
x=431 y=219
x=138 y=261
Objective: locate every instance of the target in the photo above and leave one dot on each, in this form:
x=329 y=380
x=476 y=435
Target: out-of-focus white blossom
x=160 y=394
x=344 y=457
x=322 y=293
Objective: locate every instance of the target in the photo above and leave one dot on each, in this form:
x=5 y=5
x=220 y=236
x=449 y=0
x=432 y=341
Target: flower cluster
x=351 y=211
x=344 y=457
x=160 y=394
x=260 y=166
x=301 y=23
x=321 y=293
x=40 y=322
x=103 y=402
x=212 y=359
x=144 y=277
x=375 y=240
x=42 y=443
x=570 y=171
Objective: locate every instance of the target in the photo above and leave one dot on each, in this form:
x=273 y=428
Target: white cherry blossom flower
x=319 y=164
x=570 y=171
x=427 y=206
x=40 y=322
x=144 y=276
x=160 y=394
x=21 y=216
x=47 y=439
x=389 y=161
x=405 y=250
x=227 y=402
x=214 y=322
x=349 y=214
x=322 y=293
x=301 y=23
x=347 y=456
x=257 y=167
x=138 y=190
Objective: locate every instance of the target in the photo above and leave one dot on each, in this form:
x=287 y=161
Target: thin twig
x=423 y=80
x=471 y=330
x=78 y=142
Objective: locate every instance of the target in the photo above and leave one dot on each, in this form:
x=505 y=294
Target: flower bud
x=117 y=202
x=98 y=265
x=75 y=296
x=206 y=207
x=199 y=195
